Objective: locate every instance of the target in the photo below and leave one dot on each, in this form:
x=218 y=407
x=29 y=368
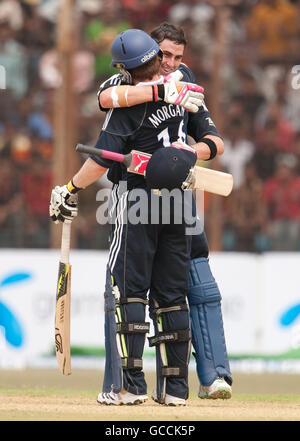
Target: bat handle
x=65 y=242
x=107 y=154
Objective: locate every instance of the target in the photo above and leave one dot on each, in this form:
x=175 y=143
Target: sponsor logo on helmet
x=148 y=56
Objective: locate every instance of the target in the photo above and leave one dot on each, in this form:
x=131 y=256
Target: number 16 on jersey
x=63 y=304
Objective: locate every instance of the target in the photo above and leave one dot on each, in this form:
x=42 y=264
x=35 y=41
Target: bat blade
x=63 y=304
x=201 y=178
x=212 y=181
x=62 y=319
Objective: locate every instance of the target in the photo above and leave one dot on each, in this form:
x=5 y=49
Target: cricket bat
x=62 y=309
x=202 y=178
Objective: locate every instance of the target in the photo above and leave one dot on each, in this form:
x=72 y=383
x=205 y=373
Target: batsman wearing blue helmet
x=203 y=295
x=148 y=258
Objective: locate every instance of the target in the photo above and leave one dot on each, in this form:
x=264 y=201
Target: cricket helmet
x=133 y=48
x=169 y=167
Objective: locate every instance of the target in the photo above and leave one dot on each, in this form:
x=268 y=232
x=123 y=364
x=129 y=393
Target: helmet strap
x=126 y=75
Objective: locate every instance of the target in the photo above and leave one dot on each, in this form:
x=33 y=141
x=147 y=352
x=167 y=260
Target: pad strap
x=174 y=371
x=159 y=311
x=125 y=300
x=133 y=328
x=132 y=363
x=170 y=337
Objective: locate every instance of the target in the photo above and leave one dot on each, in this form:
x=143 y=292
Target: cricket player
x=145 y=256
x=204 y=296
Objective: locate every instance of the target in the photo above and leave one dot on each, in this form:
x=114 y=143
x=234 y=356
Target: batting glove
x=63 y=205
x=187 y=95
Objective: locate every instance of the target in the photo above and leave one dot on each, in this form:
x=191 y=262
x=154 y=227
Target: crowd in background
x=260 y=102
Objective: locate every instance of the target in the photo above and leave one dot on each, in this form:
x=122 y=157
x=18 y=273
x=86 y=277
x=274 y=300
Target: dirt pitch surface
x=46 y=395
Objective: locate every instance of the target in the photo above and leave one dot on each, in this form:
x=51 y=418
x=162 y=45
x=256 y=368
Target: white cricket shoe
x=169 y=400
x=218 y=389
x=123 y=397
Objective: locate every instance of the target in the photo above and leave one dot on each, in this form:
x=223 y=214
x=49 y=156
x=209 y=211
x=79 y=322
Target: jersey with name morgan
x=145 y=127
x=155 y=117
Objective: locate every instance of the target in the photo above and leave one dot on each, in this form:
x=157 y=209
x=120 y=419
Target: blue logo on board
x=290 y=315
x=9 y=322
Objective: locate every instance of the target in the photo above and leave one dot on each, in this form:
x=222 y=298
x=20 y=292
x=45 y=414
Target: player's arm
x=64 y=199
x=201 y=127
x=125 y=96
x=172 y=91
x=208 y=142
x=89 y=173
x=209 y=147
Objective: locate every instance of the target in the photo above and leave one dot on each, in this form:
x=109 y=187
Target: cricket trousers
x=150 y=256
x=199 y=247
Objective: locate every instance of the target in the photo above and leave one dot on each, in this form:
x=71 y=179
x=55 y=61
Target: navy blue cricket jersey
x=145 y=127
x=199 y=124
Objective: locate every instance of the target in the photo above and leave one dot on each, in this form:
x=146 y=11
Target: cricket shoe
x=169 y=400
x=218 y=389
x=123 y=397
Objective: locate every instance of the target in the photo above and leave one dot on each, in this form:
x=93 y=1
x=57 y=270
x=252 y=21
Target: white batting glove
x=187 y=95
x=63 y=205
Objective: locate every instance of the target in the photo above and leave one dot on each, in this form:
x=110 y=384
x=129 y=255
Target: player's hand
x=183 y=146
x=63 y=205
x=187 y=95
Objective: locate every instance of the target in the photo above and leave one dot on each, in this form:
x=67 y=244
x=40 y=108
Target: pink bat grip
x=126 y=159
x=106 y=154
